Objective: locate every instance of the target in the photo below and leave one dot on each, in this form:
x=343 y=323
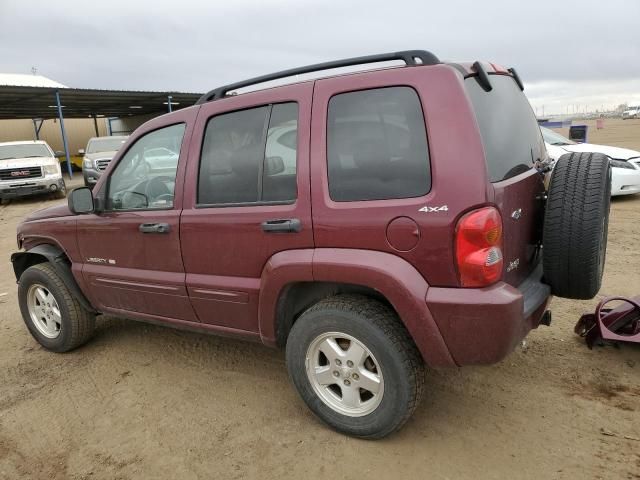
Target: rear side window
x=244 y=159
x=509 y=129
x=377 y=145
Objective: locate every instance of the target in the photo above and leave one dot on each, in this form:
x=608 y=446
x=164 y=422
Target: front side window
x=377 y=145
x=145 y=177
x=245 y=159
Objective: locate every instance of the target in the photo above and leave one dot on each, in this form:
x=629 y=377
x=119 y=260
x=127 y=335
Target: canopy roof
x=40 y=102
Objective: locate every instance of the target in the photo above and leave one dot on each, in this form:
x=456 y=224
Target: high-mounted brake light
x=479 y=247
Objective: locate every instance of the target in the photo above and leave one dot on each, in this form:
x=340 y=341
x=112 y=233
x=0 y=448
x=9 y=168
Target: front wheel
x=61 y=192
x=355 y=366
x=50 y=311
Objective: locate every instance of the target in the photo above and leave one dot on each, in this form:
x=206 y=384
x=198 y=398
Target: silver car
x=100 y=151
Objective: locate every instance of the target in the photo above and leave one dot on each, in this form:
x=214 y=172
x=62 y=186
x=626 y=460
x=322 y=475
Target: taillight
x=479 y=247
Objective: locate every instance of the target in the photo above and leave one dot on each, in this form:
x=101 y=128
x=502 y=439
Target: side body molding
x=397 y=280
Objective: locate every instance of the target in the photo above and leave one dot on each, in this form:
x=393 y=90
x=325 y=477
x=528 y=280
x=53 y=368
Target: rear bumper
x=31 y=186
x=482 y=326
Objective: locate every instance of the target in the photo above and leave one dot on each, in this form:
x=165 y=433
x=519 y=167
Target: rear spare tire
x=576 y=222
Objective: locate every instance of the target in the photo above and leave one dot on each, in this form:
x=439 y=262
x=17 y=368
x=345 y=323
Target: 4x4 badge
x=442 y=208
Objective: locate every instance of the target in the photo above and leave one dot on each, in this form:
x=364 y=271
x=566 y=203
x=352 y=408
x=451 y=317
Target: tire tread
x=578 y=202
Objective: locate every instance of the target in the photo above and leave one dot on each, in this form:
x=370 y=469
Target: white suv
x=29 y=168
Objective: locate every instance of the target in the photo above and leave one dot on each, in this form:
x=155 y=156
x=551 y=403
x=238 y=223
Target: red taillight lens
x=479 y=247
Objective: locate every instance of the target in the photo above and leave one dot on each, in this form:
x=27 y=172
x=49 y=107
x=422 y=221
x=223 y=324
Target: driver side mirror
x=59 y=154
x=81 y=151
x=81 y=201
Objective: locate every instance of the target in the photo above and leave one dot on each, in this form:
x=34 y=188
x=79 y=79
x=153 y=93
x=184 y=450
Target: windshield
x=104 y=145
x=24 y=151
x=554 y=138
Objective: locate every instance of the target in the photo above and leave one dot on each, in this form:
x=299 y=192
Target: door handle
x=285 y=225
x=154 y=227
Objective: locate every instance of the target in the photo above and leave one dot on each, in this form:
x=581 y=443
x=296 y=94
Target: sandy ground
x=141 y=401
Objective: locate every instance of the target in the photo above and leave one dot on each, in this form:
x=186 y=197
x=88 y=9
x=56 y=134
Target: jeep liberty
x=370 y=223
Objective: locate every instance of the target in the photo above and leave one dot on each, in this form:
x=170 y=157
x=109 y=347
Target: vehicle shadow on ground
x=455 y=398
x=27 y=200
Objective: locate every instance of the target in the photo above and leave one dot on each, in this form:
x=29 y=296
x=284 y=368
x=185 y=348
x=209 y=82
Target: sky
x=571 y=54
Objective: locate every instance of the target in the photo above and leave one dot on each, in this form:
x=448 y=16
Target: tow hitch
x=620 y=323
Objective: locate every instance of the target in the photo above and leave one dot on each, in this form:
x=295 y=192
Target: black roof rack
x=410 y=57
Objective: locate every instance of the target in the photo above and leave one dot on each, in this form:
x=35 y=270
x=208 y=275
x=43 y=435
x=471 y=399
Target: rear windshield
x=509 y=129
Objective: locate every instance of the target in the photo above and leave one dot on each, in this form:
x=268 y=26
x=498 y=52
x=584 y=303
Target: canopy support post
x=37 y=127
x=64 y=135
x=95 y=125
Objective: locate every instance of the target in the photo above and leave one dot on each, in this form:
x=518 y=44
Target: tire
x=576 y=225
x=75 y=326
x=390 y=356
x=61 y=193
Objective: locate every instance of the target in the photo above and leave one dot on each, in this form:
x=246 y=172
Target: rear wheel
x=50 y=311
x=576 y=225
x=355 y=366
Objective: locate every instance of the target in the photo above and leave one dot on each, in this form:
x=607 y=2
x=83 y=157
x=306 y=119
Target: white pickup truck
x=29 y=168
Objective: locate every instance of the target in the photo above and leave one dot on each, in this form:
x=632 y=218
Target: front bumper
x=91 y=175
x=31 y=186
x=484 y=325
x=625 y=181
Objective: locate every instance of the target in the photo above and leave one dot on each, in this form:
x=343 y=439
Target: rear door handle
x=284 y=225
x=154 y=227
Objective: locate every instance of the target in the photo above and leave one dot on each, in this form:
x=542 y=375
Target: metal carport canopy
x=40 y=102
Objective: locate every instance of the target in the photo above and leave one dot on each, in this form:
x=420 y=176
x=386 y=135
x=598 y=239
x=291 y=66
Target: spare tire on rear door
x=576 y=222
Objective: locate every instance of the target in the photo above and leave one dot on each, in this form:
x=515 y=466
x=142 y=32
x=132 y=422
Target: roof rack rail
x=410 y=57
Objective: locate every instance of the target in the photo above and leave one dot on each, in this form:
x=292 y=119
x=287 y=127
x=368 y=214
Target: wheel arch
x=293 y=281
x=58 y=259
x=297 y=297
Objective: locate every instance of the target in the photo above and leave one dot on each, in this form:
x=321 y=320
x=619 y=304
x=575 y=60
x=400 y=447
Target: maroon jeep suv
x=370 y=223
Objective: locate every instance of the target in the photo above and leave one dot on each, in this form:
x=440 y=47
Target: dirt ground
x=142 y=401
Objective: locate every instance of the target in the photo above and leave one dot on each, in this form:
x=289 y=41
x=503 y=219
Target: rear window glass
x=245 y=163
x=509 y=129
x=377 y=145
